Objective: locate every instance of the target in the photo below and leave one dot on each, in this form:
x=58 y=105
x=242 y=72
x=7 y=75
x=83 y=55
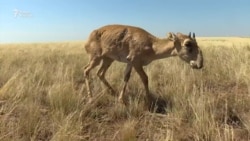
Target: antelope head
x=189 y=51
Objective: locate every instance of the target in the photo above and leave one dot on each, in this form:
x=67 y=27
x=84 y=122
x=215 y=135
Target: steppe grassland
x=43 y=96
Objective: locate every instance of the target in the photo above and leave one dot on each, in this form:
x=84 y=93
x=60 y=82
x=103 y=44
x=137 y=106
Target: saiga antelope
x=137 y=48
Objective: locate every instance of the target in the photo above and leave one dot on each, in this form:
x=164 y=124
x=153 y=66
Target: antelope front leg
x=101 y=73
x=144 y=78
x=126 y=79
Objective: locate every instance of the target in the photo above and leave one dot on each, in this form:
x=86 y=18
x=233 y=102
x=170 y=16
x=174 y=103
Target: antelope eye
x=188 y=44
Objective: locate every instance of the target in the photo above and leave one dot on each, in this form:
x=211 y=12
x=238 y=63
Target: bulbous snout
x=198 y=63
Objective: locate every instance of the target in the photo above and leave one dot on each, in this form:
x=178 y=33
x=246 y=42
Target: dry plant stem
x=42 y=87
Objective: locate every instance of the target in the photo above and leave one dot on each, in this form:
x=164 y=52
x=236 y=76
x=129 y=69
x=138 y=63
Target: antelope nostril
x=195 y=65
x=192 y=63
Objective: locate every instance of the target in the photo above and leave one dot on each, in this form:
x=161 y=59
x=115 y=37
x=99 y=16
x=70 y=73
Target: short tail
x=87 y=46
x=94 y=36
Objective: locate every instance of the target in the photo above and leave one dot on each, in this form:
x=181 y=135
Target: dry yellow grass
x=43 y=97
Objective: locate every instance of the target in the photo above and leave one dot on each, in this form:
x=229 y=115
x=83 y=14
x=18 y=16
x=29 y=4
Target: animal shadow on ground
x=158 y=104
x=154 y=103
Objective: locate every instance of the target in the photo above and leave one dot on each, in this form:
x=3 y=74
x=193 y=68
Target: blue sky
x=69 y=20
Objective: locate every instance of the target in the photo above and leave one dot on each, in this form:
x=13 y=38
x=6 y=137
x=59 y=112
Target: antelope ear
x=168 y=34
x=171 y=36
x=189 y=35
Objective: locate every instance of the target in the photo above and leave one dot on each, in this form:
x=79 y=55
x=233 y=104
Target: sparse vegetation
x=43 y=96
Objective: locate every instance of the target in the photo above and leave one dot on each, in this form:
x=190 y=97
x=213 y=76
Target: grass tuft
x=43 y=96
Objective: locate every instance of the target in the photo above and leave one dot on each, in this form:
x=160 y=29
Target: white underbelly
x=119 y=57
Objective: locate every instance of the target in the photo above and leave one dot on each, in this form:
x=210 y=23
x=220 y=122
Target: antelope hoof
x=123 y=100
x=90 y=100
x=112 y=91
x=120 y=99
